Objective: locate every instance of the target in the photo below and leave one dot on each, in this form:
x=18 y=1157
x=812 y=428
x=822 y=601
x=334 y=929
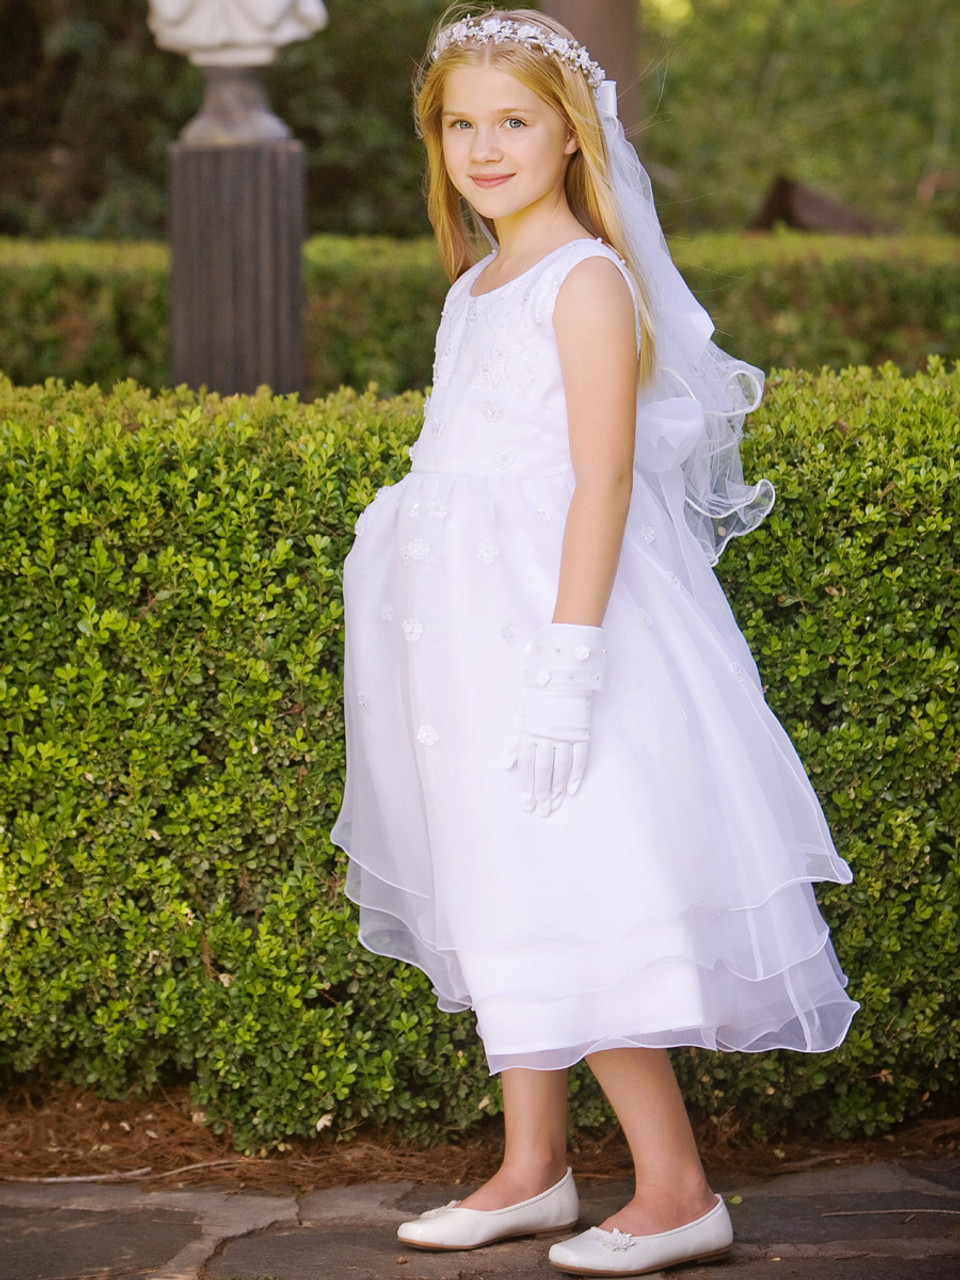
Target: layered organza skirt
x=669 y=902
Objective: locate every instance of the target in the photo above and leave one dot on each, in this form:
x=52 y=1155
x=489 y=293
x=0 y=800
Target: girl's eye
x=460 y=124
x=514 y=123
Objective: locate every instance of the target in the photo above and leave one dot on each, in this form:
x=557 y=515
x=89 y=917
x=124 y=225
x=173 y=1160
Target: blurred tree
x=87 y=106
x=858 y=97
x=347 y=95
x=611 y=31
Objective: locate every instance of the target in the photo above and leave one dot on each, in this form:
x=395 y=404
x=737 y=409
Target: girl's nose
x=485 y=145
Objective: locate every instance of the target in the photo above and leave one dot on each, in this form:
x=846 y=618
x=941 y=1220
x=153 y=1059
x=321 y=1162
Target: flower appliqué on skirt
x=418 y=549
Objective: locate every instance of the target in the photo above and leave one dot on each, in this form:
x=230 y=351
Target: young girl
x=537 y=593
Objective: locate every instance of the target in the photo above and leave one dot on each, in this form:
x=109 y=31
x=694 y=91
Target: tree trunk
x=610 y=29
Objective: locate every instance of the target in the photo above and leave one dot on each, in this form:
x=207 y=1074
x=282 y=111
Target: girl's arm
x=596 y=335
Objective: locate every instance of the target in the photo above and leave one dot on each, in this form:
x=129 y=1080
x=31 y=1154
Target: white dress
x=669 y=902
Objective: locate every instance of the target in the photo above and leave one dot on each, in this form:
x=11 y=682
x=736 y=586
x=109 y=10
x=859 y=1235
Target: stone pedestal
x=236 y=235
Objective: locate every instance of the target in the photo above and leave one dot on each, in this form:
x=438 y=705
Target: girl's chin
x=488 y=206
x=490 y=203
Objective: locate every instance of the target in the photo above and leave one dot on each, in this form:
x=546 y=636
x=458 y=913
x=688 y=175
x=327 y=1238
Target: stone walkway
x=866 y=1222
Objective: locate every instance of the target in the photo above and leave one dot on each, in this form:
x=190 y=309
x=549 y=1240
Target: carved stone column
x=236 y=235
x=236 y=200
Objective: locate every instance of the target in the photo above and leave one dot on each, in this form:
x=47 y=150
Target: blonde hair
x=588 y=185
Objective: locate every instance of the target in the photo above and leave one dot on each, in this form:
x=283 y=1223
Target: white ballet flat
x=617 y=1253
x=451 y=1227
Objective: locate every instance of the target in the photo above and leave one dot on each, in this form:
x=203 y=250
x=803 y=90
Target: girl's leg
x=671 y=1187
x=535 y=1145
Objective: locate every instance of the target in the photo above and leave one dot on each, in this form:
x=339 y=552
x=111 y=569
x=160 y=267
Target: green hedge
x=98 y=313
x=171 y=756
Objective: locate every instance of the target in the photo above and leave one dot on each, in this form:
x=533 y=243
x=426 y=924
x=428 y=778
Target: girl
x=638 y=876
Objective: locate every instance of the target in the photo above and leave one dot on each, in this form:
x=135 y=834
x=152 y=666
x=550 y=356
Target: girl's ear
x=572 y=144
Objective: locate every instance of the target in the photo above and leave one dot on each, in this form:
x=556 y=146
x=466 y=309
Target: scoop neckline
x=533 y=266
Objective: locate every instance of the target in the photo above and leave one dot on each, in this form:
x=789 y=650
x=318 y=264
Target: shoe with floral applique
x=596 y=1252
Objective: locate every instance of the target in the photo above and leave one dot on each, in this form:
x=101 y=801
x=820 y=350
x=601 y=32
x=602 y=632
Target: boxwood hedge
x=98 y=312
x=171 y=753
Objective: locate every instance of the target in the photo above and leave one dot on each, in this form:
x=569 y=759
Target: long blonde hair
x=588 y=185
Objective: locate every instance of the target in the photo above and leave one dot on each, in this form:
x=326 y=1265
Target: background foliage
x=171 y=757
x=98 y=312
x=859 y=98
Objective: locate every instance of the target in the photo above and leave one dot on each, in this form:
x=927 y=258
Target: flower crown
x=540 y=39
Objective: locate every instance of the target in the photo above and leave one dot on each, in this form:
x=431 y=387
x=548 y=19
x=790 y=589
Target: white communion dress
x=669 y=902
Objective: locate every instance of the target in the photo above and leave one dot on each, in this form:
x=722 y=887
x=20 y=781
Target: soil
x=56 y=1132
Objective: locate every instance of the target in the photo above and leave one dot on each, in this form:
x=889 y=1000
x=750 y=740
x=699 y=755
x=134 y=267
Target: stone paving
x=864 y=1222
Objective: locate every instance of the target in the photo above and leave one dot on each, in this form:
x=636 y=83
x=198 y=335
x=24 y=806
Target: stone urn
x=229 y=40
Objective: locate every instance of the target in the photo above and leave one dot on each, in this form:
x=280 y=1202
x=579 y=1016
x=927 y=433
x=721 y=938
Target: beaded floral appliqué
x=441 y=365
x=492 y=369
x=418 y=549
x=617 y=1241
x=412 y=630
x=428 y=735
x=487 y=552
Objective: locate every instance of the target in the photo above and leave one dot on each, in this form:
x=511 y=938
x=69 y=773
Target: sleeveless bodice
x=497 y=407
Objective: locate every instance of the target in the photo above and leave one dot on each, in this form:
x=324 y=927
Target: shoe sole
x=465 y=1248
x=716 y=1256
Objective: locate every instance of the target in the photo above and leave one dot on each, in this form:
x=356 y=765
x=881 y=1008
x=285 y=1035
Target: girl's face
x=506 y=151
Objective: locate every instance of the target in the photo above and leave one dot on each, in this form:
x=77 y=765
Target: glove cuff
x=565 y=657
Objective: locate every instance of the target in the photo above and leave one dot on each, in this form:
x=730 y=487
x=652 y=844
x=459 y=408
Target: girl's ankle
x=513 y=1183
x=544 y=1171
x=648 y=1213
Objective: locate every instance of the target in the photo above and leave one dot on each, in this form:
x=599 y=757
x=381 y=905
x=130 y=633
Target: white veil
x=691 y=416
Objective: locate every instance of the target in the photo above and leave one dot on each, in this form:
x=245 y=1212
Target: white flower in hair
x=539 y=39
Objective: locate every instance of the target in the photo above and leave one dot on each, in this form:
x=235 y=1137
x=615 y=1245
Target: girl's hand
x=564 y=669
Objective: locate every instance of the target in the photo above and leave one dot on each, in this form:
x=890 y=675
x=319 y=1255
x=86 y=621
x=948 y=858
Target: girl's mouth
x=486 y=181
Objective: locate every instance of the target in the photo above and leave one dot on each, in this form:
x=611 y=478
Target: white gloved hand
x=563 y=669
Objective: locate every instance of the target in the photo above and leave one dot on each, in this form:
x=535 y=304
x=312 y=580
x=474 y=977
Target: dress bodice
x=497 y=406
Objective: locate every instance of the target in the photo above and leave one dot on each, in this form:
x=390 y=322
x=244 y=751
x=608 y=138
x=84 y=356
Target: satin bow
x=667 y=432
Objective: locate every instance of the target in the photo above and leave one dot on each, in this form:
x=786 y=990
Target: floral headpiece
x=503 y=30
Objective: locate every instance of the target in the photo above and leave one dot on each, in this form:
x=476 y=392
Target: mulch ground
x=56 y=1132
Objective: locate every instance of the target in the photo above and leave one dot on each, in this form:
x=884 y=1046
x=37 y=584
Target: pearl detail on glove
x=565 y=668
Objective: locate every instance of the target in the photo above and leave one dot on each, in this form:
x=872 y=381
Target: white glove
x=563 y=670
